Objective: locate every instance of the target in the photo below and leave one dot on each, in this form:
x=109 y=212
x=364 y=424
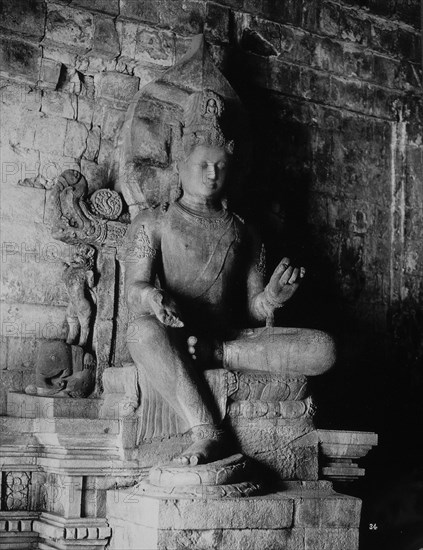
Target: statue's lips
x=210 y=184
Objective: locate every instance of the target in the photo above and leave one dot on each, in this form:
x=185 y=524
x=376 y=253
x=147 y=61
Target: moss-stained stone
x=217 y=22
x=115 y=86
x=69 y=27
x=148 y=11
x=106 y=39
x=24 y=17
x=110 y=7
x=20 y=59
x=155 y=46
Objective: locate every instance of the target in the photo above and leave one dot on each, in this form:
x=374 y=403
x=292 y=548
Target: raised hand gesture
x=284 y=282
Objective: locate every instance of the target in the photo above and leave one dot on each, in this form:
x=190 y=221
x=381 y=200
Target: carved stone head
x=190 y=104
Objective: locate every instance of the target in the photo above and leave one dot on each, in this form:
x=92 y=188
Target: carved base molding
x=57 y=463
x=71 y=534
x=17 y=530
x=23 y=530
x=67 y=476
x=304 y=516
x=341 y=451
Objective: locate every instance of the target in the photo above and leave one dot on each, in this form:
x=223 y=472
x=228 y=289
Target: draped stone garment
x=204 y=267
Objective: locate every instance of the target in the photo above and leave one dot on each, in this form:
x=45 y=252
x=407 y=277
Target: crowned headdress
x=204 y=122
x=190 y=104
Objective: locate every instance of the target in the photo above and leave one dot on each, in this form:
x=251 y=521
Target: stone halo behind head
x=154 y=137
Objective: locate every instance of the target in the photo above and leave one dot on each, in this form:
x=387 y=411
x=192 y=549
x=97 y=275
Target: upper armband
x=137 y=246
x=260 y=264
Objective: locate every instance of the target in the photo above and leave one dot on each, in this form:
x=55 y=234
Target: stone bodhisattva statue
x=194 y=281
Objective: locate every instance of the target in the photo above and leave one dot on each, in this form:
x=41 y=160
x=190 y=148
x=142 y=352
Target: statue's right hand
x=165 y=309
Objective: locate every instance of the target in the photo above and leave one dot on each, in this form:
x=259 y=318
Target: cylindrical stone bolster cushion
x=286 y=352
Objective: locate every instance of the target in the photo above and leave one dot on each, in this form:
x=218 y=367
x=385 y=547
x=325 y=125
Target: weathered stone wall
x=333 y=89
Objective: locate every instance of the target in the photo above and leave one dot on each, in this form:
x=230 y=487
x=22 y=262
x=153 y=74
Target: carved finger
x=194 y=460
x=176 y=319
x=170 y=321
x=173 y=320
x=294 y=276
x=286 y=275
x=302 y=272
x=281 y=268
x=161 y=316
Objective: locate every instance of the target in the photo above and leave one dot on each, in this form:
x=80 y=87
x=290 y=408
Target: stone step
x=305 y=516
x=21 y=405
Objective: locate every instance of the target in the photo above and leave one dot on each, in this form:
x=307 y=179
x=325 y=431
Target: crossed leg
x=162 y=352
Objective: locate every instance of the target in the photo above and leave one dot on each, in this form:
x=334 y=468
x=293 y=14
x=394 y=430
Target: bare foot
x=201 y=452
x=209 y=446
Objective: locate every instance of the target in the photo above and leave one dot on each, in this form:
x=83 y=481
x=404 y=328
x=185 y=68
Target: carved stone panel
x=16 y=490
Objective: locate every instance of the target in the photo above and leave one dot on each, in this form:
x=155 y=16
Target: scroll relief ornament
x=89 y=223
x=79 y=219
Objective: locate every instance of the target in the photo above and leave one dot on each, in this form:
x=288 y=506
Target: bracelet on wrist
x=276 y=304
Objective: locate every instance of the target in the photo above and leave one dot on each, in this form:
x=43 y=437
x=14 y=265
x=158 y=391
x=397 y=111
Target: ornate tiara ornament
x=204 y=122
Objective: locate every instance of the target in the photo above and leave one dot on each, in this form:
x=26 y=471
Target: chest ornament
x=204 y=221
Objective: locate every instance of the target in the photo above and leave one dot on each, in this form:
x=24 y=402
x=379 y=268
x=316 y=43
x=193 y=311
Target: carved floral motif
x=16 y=490
x=107 y=203
x=73 y=220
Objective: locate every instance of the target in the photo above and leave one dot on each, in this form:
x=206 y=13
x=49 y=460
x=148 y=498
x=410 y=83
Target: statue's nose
x=211 y=172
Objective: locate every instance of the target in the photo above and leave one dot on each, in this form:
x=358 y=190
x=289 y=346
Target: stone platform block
x=22 y=405
x=304 y=516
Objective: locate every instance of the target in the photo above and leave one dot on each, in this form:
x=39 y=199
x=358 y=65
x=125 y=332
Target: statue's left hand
x=165 y=309
x=284 y=282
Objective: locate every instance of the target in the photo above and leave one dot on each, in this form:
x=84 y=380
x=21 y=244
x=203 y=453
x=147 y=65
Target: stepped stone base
x=304 y=516
x=63 y=465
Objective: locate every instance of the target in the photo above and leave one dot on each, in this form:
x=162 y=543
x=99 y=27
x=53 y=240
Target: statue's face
x=203 y=174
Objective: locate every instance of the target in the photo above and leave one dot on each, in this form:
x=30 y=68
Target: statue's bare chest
x=198 y=254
